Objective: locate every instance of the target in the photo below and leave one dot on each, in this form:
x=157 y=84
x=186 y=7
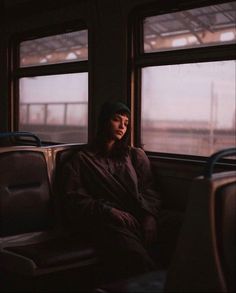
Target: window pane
x=189 y=108
x=205 y=26
x=62 y=48
x=55 y=107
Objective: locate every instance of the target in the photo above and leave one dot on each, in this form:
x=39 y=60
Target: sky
x=57 y=88
x=185 y=92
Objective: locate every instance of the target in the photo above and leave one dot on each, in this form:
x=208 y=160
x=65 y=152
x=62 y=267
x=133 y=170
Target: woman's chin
x=118 y=137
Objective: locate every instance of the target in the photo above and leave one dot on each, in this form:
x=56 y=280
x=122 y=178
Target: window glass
x=189 y=108
x=205 y=26
x=61 y=48
x=55 y=107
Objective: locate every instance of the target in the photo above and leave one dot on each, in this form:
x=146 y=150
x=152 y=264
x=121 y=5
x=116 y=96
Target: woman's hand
x=126 y=219
x=150 y=229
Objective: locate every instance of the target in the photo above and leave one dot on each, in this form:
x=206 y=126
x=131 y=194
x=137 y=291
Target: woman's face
x=118 y=126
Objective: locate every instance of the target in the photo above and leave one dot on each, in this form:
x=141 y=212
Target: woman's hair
x=121 y=147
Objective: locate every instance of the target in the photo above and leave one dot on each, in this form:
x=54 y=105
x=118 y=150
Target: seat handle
x=22 y=133
x=214 y=158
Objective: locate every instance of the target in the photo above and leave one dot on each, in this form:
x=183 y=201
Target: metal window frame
x=181 y=56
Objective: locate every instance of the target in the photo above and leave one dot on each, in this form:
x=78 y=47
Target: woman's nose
x=122 y=125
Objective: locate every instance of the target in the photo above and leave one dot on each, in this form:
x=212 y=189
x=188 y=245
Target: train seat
x=30 y=242
x=205 y=258
x=62 y=155
x=44 y=257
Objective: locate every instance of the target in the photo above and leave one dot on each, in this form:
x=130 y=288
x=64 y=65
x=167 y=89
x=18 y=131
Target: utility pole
x=213 y=118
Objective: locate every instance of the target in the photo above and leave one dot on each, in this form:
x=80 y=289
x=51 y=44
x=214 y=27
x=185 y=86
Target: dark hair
x=121 y=147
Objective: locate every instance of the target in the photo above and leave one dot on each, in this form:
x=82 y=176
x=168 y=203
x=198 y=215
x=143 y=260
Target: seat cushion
x=55 y=252
x=53 y=255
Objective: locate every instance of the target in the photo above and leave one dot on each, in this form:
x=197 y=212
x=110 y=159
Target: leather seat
x=30 y=241
x=205 y=258
x=47 y=256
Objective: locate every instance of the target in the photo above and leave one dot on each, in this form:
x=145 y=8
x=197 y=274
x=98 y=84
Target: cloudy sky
x=186 y=92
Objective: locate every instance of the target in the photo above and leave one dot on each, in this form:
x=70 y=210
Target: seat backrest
x=225 y=203
x=62 y=154
x=18 y=138
x=206 y=251
x=25 y=199
x=205 y=257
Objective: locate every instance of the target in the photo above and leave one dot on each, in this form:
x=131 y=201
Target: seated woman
x=109 y=194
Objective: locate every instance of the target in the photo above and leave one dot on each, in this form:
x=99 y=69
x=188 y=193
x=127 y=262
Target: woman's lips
x=119 y=132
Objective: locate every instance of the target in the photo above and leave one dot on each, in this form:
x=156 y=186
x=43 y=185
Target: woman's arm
x=81 y=205
x=78 y=202
x=150 y=198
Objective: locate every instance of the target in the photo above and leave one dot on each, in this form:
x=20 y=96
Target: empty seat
x=24 y=192
x=205 y=258
x=30 y=243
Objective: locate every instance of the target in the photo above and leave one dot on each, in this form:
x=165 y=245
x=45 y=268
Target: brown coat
x=93 y=184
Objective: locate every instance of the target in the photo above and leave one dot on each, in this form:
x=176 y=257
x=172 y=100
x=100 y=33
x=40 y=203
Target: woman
x=109 y=187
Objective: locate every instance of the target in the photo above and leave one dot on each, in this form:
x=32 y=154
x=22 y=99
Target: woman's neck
x=110 y=144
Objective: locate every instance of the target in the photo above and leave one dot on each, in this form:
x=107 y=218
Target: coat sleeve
x=150 y=198
x=78 y=203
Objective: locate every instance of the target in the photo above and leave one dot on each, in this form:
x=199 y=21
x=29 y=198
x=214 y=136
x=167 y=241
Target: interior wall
x=3 y=76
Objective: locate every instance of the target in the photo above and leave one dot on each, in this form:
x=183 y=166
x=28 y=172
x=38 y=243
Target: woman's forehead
x=123 y=116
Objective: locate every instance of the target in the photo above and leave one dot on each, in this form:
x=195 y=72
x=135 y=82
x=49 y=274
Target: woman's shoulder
x=75 y=156
x=83 y=152
x=137 y=151
x=138 y=154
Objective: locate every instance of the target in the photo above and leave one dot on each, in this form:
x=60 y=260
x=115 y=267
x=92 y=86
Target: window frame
x=181 y=56
x=18 y=72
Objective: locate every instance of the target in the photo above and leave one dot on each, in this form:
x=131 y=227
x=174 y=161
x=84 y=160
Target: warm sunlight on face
x=119 y=124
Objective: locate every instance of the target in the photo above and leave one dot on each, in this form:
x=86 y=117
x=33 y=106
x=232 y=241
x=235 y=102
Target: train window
x=185 y=72
x=52 y=83
x=62 y=48
x=196 y=114
x=205 y=26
